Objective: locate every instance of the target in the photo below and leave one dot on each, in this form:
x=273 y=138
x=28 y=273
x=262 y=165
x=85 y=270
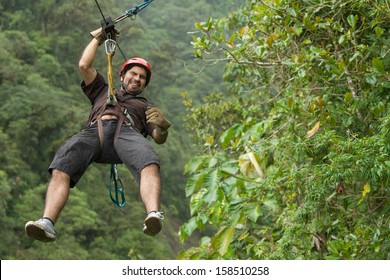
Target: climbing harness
x=116 y=190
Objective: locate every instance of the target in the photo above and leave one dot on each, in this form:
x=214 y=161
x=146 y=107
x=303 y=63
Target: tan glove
x=101 y=36
x=155 y=116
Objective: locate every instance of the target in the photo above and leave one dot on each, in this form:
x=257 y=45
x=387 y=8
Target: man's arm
x=159 y=135
x=88 y=72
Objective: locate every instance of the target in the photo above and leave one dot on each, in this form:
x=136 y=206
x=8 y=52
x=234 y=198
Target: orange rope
x=110 y=76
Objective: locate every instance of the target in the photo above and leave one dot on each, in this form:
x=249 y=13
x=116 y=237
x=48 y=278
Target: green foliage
x=295 y=159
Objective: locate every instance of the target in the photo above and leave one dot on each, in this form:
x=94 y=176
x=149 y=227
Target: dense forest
x=280 y=141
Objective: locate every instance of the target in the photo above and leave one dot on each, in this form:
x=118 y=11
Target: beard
x=128 y=88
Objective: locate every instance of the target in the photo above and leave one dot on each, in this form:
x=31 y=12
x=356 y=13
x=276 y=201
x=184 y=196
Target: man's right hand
x=101 y=36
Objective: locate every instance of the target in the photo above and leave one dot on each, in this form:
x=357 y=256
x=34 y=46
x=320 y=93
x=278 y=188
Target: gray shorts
x=83 y=148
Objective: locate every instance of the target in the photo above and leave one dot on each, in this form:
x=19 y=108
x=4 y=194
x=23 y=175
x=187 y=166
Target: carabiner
x=110 y=46
x=118 y=198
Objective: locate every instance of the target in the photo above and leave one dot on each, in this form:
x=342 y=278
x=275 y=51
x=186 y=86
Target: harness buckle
x=129 y=118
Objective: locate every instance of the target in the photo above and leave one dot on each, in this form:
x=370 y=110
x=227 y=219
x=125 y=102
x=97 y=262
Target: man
x=115 y=134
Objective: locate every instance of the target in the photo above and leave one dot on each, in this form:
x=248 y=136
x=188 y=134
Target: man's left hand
x=155 y=116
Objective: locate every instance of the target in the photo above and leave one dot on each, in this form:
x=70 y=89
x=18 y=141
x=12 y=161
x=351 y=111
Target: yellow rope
x=110 y=76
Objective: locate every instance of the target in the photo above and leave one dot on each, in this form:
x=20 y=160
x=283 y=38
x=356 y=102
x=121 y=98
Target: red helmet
x=137 y=61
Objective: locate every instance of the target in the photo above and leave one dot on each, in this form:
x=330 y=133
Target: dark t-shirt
x=97 y=93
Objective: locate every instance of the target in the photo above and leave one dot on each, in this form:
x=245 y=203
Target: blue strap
x=133 y=11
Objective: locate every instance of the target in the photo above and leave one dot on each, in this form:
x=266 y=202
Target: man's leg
x=150 y=189
x=138 y=155
x=56 y=197
x=74 y=157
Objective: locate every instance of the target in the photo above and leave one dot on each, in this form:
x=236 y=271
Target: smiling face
x=134 y=80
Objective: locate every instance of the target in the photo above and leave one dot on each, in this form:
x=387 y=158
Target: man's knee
x=151 y=168
x=59 y=175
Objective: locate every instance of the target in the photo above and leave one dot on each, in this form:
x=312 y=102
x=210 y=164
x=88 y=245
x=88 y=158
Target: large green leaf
x=378 y=64
x=194 y=164
x=194 y=183
x=222 y=240
x=212 y=182
x=187 y=229
x=253 y=211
